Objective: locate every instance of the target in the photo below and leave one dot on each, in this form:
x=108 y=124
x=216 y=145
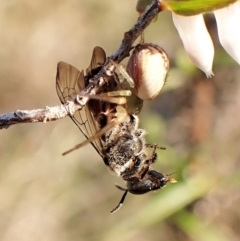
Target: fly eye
x=102 y=120
x=138 y=162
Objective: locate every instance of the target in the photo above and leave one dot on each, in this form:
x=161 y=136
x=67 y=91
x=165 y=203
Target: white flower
x=197 y=41
x=228 y=21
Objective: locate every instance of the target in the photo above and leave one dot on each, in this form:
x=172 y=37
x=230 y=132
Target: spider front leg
x=116 y=97
x=124 y=74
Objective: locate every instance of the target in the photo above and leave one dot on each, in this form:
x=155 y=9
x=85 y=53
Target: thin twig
x=94 y=86
x=37 y=115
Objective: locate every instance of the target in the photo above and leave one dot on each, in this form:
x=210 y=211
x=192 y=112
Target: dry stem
x=94 y=87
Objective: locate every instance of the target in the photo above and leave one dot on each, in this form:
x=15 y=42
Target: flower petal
x=228 y=20
x=196 y=40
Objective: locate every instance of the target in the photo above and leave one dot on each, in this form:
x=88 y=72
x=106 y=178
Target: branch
x=37 y=115
x=94 y=86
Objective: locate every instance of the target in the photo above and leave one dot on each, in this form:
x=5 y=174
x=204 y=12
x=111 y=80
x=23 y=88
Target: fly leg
x=122 y=115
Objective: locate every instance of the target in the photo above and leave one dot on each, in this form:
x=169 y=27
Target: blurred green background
x=44 y=196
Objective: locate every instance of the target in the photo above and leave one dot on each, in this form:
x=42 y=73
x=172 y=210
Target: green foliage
x=187 y=7
x=192 y=7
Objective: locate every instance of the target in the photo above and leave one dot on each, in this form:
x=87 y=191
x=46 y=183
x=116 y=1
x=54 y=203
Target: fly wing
x=98 y=59
x=69 y=82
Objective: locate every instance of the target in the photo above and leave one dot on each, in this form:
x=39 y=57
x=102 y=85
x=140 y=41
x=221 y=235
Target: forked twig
x=94 y=86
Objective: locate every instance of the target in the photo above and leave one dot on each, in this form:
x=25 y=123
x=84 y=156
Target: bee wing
x=98 y=59
x=69 y=83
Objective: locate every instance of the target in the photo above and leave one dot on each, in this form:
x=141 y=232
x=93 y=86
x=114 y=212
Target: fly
x=108 y=124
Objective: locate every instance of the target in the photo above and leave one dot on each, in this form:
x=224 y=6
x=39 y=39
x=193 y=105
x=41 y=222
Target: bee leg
x=155 y=146
x=120 y=203
x=153 y=157
x=122 y=188
x=154 y=154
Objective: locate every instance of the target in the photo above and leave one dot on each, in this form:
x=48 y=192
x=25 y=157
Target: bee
x=108 y=122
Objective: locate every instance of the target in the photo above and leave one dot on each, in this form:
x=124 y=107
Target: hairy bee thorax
x=124 y=149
